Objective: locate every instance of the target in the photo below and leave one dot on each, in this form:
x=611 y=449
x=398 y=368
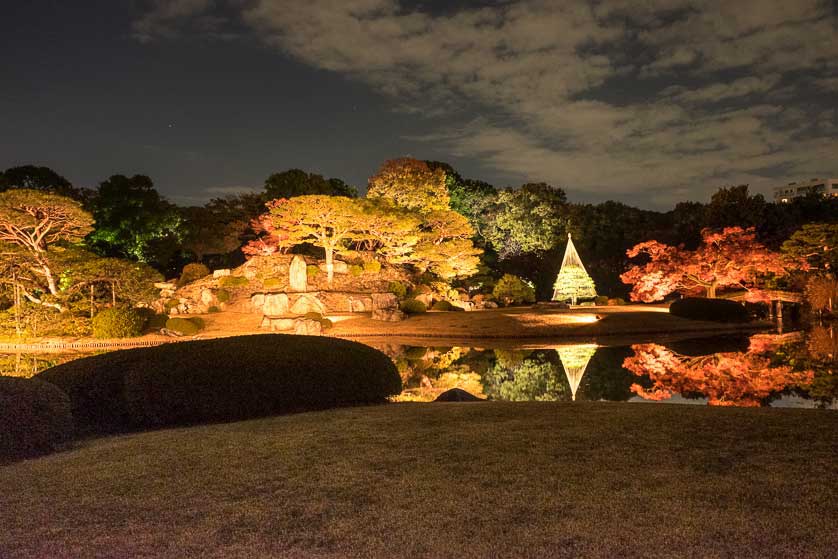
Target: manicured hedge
x=222 y=380
x=192 y=272
x=442 y=306
x=715 y=310
x=119 y=322
x=413 y=306
x=34 y=417
x=186 y=326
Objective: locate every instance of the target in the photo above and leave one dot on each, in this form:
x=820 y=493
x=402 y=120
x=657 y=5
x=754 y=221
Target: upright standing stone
x=297 y=277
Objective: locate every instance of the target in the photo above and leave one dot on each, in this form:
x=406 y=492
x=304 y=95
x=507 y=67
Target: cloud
x=610 y=97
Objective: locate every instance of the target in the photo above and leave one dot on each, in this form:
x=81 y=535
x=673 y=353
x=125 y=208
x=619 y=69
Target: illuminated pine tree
x=573 y=282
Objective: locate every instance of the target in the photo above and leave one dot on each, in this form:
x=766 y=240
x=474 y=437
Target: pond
x=798 y=369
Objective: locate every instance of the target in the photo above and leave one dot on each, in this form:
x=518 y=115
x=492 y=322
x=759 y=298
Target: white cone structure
x=575 y=359
x=573 y=282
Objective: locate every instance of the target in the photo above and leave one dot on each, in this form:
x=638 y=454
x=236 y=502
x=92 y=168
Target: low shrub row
x=221 y=380
x=714 y=310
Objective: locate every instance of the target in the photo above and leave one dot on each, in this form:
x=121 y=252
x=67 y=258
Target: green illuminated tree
x=816 y=244
x=527 y=219
x=573 y=282
x=134 y=221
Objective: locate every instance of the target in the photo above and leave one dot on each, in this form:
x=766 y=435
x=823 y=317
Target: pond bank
x=518 y=323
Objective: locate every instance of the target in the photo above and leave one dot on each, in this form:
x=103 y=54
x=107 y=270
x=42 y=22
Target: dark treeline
x=522 y=230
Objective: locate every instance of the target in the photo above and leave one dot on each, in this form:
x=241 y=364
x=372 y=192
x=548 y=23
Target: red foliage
x=271 y=239
x=728 y=258
x=725 y=379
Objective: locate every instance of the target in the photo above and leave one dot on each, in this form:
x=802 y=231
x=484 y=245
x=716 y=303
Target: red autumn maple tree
x=728 y=258
x=725 y=379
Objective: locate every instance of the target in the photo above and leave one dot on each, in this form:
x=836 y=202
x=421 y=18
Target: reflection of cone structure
x=573 y=281
x=575 y=360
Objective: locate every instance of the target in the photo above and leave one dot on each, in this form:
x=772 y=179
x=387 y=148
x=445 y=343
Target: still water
x=799 y=369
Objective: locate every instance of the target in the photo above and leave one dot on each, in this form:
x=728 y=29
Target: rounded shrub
x=601 y=300
x=714 y=310
x=356 y=270
x=312 y=271
x=153 y=320
x=213 y=309
x=325 y=323
x=171 y=304
x=398 y=289
x=442 y=306
x=222 y=295
x=413 y=306
x=313 y=316
x=616 y=302
x=372 y=266
x=233 y=281
x=35 y=417
x=192 y=272
x=119 y=322
x=223 y=379
x=185 y=326
x=512 y=290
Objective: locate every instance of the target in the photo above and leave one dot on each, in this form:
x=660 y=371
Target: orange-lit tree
x=725 y=379
x=728 y=258
x=411 y=184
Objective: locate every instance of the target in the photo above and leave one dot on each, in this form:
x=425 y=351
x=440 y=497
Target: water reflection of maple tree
x=725 y=379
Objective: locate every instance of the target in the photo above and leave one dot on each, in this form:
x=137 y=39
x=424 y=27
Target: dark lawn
x=441 y=480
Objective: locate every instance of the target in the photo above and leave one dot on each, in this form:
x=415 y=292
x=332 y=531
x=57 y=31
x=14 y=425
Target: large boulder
x=388 y=315
x=307 y=303
x=278 y=324
x=297 y=275
x=257 y=300
x=222 y=273
x=457 y=395
x=384 y=301
x=307 y=327
x=276 y=304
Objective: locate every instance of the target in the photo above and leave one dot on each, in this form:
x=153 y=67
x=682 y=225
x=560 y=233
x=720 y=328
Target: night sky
x=648 y=101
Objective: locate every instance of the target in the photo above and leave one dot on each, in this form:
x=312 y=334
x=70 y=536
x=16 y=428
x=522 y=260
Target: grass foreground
x=441 y=480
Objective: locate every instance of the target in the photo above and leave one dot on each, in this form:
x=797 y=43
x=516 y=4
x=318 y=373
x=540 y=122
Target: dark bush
x=413 y=306
x=222 y=295
x=192 y=272
x=222 y=380
x=601 y=300
x=34 y=417
x=715 y=310
x=119 y=322
x=442 y=306
x=185 y=326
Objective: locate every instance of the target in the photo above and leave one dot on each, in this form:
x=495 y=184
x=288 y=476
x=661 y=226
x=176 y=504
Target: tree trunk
x=330 y=264
x=711 y=291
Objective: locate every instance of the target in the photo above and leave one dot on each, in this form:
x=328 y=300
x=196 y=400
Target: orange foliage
x=725 y=379
x=728 y=258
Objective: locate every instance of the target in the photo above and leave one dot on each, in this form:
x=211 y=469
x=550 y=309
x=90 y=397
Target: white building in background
x=826 y=187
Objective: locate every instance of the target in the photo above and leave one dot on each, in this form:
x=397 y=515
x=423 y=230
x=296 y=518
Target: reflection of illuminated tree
x=605 y=378
x=536 y=378
x=575 y=359
x=428 y=372
x=822 y=346
x=725 y=379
